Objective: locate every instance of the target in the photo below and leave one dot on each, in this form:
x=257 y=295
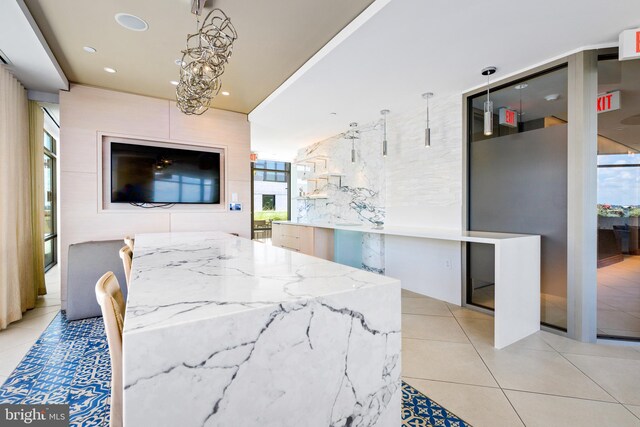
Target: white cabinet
x=303 y=238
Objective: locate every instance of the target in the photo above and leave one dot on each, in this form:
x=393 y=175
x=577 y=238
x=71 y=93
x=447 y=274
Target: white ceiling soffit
x=31 y=60
x=398 y=49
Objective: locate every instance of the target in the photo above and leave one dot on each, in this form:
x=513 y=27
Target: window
x=268 y=202
x=50 y=229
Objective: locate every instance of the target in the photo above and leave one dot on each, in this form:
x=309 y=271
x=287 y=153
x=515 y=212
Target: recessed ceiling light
x=173 y=82
x=110 y=70
x=522 y=86
x=552 y=97
x=89 y=49
x=225 y=93
x=131 y=22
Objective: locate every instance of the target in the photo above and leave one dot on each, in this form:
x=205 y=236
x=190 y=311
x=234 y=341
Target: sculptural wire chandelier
x=204 y=59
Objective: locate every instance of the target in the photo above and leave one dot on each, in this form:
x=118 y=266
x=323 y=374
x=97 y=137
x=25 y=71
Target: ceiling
x=408 y=47
x=276 y=37
x=30 y=59
x=298 y=61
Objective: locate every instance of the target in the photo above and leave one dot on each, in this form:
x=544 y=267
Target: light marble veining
x=359 y=196
x=222 y=331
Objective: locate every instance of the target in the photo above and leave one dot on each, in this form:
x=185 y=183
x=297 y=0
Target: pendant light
x=427 y=130
x=353 y=134
x=488 y=105
x=353 y=152
x=384 y=127
x=520 y=87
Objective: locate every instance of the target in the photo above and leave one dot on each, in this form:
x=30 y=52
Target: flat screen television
x=163 y=175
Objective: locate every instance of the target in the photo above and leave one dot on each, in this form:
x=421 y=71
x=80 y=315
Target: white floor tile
x=634 y=409
x=432 y=328
x=38 y=322
x=13 y=336
x=428 y=306
x=540 y=372
x=10 y=358
x=569 y=346
x=620 y=377
x=538 y=410
x=408 y=294
x=445 y=361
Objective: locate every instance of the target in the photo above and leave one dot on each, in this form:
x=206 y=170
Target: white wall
x=424 y=185
x=412 y=186
x=424 y=189
x=85 y=112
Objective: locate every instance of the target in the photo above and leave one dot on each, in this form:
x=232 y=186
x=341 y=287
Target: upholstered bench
x=87 y=262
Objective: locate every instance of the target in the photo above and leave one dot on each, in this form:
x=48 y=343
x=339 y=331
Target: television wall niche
x=162 y=174
x=87 y=114
x=139 y=175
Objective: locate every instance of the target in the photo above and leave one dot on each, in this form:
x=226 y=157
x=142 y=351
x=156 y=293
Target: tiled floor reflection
x=619 y=298
x=553 y=308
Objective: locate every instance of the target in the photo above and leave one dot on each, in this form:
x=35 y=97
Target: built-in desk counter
x=223 y=331
x=517 y=270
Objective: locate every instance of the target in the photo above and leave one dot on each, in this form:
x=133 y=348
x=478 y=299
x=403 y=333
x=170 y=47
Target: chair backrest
x=127 y=257
x=129 y=242
x=112 y=306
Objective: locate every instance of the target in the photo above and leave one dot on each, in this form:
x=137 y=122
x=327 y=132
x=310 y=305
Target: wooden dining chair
x=129 y=241
x=112 y=305
x=127 y=258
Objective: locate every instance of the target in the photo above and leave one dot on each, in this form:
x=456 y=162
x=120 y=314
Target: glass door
x=271 y=195
x=50 y=228
x=618 y=199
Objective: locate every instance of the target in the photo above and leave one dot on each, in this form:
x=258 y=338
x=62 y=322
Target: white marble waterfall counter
x=516 y=267
x=222 y=331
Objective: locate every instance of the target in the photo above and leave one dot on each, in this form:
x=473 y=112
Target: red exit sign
x=508 y=117
x=629 y=44
x=608 y=101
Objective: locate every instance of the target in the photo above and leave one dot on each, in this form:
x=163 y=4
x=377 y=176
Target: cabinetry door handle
x=291 y=249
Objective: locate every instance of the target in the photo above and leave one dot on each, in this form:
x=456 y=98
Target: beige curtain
x=18 y=287
x=36 y=154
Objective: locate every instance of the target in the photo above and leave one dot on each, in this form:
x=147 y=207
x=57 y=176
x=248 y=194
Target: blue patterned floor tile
x=418 y=411
x=9 y=395
x=70 y=364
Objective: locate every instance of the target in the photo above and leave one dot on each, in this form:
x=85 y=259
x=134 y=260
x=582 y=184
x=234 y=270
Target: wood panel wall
x=86 y=113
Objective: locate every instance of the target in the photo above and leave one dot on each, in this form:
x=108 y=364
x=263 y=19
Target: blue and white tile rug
x=70 y=364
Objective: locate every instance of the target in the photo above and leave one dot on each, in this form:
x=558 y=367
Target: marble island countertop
x=424 y=232
x=182 y=277
x=223 y=331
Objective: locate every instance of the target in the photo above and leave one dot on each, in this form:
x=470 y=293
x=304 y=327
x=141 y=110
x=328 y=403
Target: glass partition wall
x=517 y=183
x=618 y=273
